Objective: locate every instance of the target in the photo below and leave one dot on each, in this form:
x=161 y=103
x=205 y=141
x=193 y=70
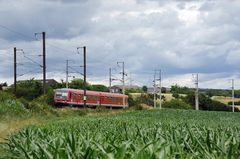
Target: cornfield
x=140 y=135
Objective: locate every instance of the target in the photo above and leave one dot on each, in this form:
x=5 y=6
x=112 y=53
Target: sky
x=180 y=37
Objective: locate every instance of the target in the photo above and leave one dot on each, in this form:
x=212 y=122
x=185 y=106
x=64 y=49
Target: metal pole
x=15 y=70
x=154 y=91
x=160 y=88
x=110 y=80
x=123 y=79
x=66 y=73
x=233 y=104
x=84 y=67
x=44 y=62
x=196 y=94
x=123 y=82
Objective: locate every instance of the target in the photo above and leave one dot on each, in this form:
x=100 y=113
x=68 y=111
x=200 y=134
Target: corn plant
x=140 y=134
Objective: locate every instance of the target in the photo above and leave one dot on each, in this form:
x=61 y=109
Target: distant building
x=49 y=82
x=118 y=88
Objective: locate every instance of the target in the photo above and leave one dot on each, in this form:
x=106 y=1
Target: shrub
x=10 y=106
x=177 y=104
x=235 y=103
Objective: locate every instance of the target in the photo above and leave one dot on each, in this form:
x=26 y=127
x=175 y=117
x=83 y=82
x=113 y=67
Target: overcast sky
x=181 y=37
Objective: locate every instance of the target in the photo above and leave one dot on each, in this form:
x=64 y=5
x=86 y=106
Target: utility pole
x=110 y=80
x=44 y=62
x=66 y=73
x=15 y=70
x=196 y=93
x=233 y=104
x=160 y=88
x=44 y=59
x=123 y=81
x=123 y=77
x=84 y=74
x=154 y=89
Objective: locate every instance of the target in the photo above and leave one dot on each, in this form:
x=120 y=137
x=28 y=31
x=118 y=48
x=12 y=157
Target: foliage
x=37 y=106
x=216 y=92
x=144 y=89
x=10 y=106
x=139 y=134
x=164 y=90
x=147 y=99
x=180 y=90
x=99 y=87
x=177 y=104
x=29 y=89
x=133 y=90
x=133 y=102
x=79 y=84
x=235 y=103
x=175 y=95
x=206 y=103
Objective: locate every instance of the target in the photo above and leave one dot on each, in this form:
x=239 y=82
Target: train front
x=61 y=97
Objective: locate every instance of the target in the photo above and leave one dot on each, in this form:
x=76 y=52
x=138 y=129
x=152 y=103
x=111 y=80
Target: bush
x=235 y=103
x=10 y=106
x=43 y=104
x=177 y=104
x=133 y=101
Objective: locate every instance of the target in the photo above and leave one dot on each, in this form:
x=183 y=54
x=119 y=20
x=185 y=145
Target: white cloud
x=180 y=37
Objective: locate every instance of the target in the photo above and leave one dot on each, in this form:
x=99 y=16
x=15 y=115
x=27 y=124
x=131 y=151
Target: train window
x=74 y=96
x=80 y=96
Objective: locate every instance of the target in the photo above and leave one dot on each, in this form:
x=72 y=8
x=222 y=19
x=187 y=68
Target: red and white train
x=74 y=97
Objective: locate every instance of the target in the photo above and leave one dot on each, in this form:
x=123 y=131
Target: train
x=74 y=97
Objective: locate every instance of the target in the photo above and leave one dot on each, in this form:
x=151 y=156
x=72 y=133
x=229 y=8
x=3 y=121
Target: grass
x=163 y=133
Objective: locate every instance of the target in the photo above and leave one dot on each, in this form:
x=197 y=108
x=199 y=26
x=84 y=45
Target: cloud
x=180 y=37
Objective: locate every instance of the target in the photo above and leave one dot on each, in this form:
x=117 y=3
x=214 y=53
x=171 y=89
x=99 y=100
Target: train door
x=100 y=100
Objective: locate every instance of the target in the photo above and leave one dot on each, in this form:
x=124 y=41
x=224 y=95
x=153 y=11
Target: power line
x=13 y=31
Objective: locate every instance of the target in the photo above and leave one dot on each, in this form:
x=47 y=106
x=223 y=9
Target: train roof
x=93 y=92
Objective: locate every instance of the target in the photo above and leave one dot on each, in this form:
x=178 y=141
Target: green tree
x=175 y=95
x=144 y=88
x=29 y=89
x=206 y=103
x=79 y=84
x=99 y=87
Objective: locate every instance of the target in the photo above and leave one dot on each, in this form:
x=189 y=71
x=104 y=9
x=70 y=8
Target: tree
x=29 y=89
x=99 y=87
x=144 y=88
x=79 y=84
x=175 y=95
x=164 y=90
x=180 y=90
x=206 y=103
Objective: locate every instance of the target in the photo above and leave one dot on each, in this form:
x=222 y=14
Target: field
x=225 y=100
x=138 y=134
